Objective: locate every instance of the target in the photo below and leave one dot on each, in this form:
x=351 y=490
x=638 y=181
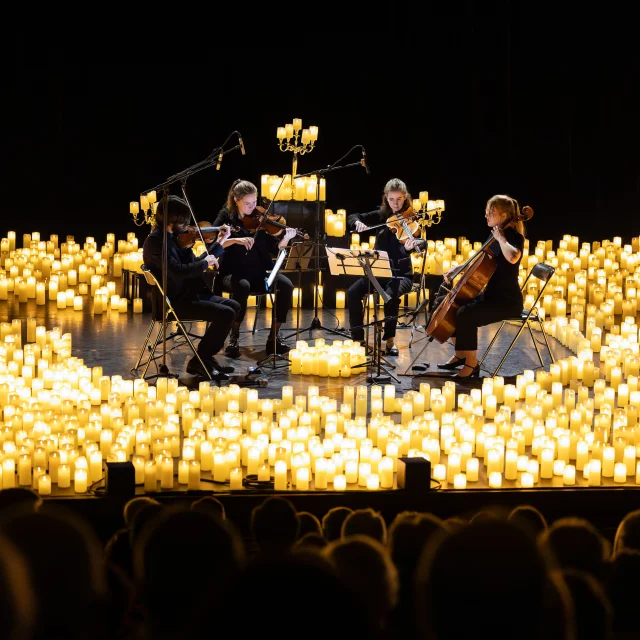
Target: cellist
x=502 y=296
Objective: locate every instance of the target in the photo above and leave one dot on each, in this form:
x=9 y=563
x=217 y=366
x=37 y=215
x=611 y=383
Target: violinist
x=186 y=286
x=502 y=296
x=396 y=200
x=244 y=267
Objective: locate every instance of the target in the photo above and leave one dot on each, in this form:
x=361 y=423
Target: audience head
x=529 y=517
x=66 y=568
x=17 y=598
x=332 y=522
x=309 y=523
x=19 y=497
x=365 y=522
x=294 y=583
x=366 y=567
x=310 y=540
x=490 y=560
x=576 y=544
x=182 y=560
x=142 y=516
x=628 y=533
x=592 y=610
x=134 y=505
x=275 y=525
x=212 y=504
x=408 y=534
x=623 y=591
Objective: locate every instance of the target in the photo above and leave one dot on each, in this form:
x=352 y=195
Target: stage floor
x=113 y=341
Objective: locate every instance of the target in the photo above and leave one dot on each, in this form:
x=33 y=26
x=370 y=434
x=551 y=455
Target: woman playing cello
x=502 y=297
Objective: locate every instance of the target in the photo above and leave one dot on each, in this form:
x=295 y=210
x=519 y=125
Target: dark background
x=463 y=100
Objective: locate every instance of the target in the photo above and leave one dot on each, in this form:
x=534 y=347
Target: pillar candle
x=79 y=480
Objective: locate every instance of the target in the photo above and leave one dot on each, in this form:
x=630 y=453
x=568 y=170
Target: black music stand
x=300 y=254
x=277 y=360
x=373 y=265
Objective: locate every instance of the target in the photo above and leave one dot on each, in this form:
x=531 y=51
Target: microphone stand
x=214 y=157
x=315 y=322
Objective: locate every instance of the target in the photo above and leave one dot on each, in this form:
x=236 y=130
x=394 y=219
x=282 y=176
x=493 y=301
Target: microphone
x=340 y=256
x=219 y=160
x=240 y=142
x=364 y=162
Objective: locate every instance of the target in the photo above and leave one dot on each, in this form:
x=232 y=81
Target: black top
x=184 y=270
x=386 y=240
x=236 y=259
x=503 y=285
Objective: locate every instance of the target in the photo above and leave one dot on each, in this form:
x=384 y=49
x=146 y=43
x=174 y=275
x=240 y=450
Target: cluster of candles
x=283 y=188
x=60 y=420
x=337 y=359
x=67 y=272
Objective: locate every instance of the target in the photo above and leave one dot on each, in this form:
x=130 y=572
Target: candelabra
x=431 y=209
x=292 y=137
x=148 y=204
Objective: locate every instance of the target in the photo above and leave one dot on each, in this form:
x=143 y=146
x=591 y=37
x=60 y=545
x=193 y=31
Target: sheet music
x=346 y=262
x=276 y=268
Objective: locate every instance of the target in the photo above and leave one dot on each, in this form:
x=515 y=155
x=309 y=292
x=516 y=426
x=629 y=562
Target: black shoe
x=277 y=347
x=392 y=351
x=475 y=372
x=452 y=365
x=196 y=369
x=222 y=368
x=232 y=350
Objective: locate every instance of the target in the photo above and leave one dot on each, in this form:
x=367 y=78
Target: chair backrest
x=148 y=276
x=156 y=293
x=543 y=271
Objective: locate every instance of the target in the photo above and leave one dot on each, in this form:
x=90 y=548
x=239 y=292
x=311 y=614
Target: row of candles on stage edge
x=49 y=398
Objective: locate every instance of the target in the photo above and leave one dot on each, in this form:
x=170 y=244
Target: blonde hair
x=510 y=207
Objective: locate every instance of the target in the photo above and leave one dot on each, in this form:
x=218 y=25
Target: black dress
x=244 y=272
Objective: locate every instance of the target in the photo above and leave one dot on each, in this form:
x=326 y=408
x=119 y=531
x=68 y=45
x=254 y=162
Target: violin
x=274 y=225
x=404 y=225
x=187 y=235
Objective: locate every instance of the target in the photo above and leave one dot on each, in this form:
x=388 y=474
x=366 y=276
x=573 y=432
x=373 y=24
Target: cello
x=476 y=272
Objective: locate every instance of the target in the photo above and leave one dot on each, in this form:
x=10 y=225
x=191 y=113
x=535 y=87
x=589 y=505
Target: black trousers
x=395 y=287
x=241 y=286
x=219 y=312
x=479 y=313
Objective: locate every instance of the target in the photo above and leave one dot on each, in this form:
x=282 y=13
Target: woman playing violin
x=244 y=267
x=502 y=297
x=396 y=200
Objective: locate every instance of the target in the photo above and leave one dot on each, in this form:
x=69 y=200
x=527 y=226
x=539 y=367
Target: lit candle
x=302 y=479
x=280 y=481
x=620 y=473
x=235 y=478
x=79 y=480
x=44 y=485
x=194 y=475
x=64 y=476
